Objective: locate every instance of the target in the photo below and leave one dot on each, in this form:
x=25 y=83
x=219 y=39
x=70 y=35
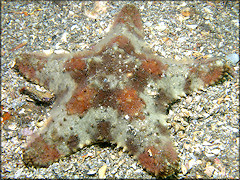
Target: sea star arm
x=45 y=69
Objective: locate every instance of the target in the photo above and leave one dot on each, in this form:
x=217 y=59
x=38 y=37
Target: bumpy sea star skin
x=115 y=92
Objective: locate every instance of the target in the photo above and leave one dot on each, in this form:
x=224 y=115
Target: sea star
x=115 y=92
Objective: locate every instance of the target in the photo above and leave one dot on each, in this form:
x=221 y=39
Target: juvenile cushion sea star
x=115 y=92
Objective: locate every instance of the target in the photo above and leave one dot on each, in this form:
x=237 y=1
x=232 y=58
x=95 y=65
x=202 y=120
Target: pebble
x=191 y=163
x=233 y=58
x=149 y=24
x=64 y=37
x=161 y=26
x=216 y=151
x=192 y=26
x=209 y=170
x=92 y=172
x=186 y=11
x=205 y=143
x=18 y=173
x=236 y=22
x=184 y=169
x=13 y=126
x=102 y=171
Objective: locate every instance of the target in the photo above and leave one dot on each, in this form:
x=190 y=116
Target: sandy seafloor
x=204 y=125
